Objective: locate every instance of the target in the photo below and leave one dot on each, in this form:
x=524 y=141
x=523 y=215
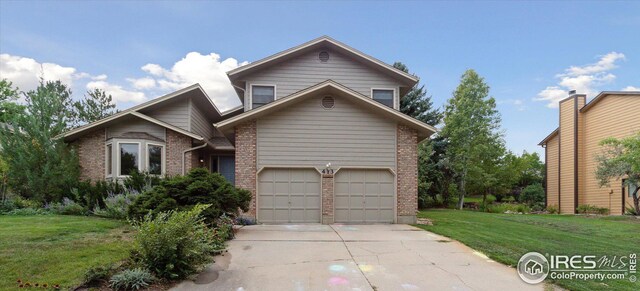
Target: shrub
x=199 y=186
x=131 y=279
x=95 y=276
x=592 y=209
x=552 y=209
x=141 y=181
x=92 y=195
x=532 y=194
x=28 y=211
x=631 y=211
x=173 y=244
x=243 y=220
x=20 y=202
x=507 y=207
x=66 y=207
x=116 y=205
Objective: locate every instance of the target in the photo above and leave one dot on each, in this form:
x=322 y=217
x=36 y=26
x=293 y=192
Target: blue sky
x=524 y=50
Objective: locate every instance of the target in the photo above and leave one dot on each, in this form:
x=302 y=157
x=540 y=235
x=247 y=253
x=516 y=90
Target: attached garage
x=288 y=195
x=364 y=196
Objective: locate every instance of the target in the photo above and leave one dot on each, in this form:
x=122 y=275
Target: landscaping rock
x=424 y=221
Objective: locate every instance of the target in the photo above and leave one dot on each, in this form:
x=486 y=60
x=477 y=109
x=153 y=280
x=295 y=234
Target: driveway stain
x=212 y=272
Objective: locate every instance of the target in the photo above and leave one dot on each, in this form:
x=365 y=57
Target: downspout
x=191 y=149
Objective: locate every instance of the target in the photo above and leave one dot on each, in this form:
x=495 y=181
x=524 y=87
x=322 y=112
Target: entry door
x=364 y=196
x=289 y=196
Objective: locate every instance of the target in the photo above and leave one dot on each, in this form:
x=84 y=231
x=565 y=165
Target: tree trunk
x=463 y=189
x=636 y=201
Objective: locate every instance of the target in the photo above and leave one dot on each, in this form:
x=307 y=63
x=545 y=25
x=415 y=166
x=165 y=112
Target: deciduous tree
x=620 y=159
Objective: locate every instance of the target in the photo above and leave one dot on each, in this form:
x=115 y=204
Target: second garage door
x=364 y=196
x=289 y=196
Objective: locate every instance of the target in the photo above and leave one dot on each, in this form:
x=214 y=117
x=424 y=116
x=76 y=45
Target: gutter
x=191 y=149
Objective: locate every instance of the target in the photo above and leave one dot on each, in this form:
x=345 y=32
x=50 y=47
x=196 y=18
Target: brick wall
x=91 y=151
x=327 y=198
x=407 y=174
x=176 y=144
x=246 y=164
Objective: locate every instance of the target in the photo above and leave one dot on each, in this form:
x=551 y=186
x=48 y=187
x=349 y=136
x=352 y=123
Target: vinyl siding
x=306 y=70
x=199 y=123
x=582 y=100
x=614 y=116
x=136 y=125
x=567 y=151
x=552 y=171
x=305 y=134
x=175 y=113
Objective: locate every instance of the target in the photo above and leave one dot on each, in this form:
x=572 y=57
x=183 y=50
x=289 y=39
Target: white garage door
x=289 y=196
x=364 y=196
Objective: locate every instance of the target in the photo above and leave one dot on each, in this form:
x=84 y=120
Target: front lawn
x=506 y=237
x=56 y=249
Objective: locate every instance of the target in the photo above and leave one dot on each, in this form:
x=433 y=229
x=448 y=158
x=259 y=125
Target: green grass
x=506 y=237
x=57 y=249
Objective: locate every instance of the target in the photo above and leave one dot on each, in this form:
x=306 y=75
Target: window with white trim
x=109 y=161
x=262 y=95
x=129 y=158
x=155 y=159
x=383 y=96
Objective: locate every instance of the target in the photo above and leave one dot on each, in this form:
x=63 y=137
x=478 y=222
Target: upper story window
x=262 y=94
x=384 y=96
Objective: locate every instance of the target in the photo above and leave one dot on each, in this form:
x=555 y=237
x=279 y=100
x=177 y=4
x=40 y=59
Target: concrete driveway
x=351 y=257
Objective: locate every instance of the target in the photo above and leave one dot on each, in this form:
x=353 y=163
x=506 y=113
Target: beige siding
x=305 y=134
x=199 y=123
x=552 y=171
x=614 y=116
x=174 y=113
x=582 y=100
x=567 y=156
x=136 y=125
x=306 y=70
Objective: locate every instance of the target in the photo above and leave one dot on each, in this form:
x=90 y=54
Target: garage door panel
x=289 y=196
x=365 y=196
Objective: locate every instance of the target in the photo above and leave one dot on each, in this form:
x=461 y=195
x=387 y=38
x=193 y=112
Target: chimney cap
x=572 y=92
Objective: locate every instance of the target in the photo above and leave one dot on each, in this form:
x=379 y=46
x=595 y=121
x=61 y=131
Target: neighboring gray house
x=318 y=139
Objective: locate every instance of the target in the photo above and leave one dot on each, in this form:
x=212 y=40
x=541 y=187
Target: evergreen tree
x=40 y=166
x=471 y=127
x=416 y=103
x=94 y=106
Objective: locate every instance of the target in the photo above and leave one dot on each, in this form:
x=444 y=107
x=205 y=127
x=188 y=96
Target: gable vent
x=323 y=56
x=328 y=102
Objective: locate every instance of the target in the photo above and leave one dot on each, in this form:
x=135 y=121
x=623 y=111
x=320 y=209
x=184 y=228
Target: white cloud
x=207 y=70
x=584 y=79
x=25 y=73
x=118 y=93
x=631 y=88
x=142 y=83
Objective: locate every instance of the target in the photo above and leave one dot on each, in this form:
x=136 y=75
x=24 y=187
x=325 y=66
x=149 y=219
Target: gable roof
x=604 y=94
x=549 y=137
x=328 y=86
x=323 y=41
x=194 y=90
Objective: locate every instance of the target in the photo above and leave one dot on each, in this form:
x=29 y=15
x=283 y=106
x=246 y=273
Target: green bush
x=552 y=209
x=507 y=207
x=131 y=279
x=631 y=211
x=199 y=186
x=66 y=207
x=92 y=195
x=116 y=205
x=95 y=276
x=592 y=209
x=141 y=181
x=28 y=211
x=173 y=244
x=532 y=194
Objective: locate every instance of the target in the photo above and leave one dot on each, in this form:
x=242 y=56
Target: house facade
x=319 y=137
x=570 y=150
